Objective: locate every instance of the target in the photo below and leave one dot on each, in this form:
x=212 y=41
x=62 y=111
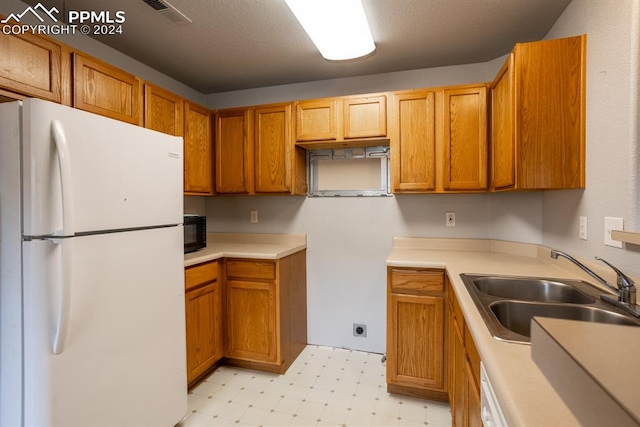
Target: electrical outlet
x=583 y=233
x=359 y=330
x=254 y=217
x=612 y=224
x=450 y=219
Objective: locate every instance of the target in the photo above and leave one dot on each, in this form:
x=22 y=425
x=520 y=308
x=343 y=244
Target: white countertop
x=593 y=366
x=525 y=395
x=243 y=245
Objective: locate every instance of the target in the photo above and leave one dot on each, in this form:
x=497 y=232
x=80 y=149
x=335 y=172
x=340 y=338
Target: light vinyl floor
x=325 y=386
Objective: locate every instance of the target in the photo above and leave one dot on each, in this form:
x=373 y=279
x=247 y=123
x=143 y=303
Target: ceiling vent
x=167 y=10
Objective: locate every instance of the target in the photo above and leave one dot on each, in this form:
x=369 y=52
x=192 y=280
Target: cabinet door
x=550 y=96
x=465 y=139
x=413 y=142
x=31 y=65
x=232 y=152
x=163 y=110
x=102 y=89
x=460 y=381
x=502 y=127
x=251 y=321
x=203 y=311
x=317 y=120
x=416 y=339
x=198 y=167
x=450 y=353
x=273 y=149
x=474 y=406
x=365 y=117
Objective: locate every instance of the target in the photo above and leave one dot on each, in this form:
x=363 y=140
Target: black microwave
x=195 y=233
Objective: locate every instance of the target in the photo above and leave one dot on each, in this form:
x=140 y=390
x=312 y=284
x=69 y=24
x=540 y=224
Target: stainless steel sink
x=516 y=315
x=508 y=303
x=531 y=289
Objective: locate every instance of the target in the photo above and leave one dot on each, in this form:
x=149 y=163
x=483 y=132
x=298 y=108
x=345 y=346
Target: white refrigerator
x=92 y=327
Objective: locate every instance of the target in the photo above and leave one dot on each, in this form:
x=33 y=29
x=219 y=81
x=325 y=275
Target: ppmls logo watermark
x=88 y=22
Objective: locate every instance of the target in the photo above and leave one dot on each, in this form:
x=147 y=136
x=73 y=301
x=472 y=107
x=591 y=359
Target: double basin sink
x=507 y=304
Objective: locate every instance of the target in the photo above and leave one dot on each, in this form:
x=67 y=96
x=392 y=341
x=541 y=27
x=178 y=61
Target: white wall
x=611 y=129
x=350 y=238
x=403 y=80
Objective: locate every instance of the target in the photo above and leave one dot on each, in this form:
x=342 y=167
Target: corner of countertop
x=247 y=245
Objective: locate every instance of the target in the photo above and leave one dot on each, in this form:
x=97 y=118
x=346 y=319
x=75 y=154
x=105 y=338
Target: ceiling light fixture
x=338 y=28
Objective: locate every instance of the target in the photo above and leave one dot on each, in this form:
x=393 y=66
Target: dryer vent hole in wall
x=359 y=330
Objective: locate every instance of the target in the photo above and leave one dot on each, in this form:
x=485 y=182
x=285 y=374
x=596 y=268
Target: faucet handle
x=623 y=281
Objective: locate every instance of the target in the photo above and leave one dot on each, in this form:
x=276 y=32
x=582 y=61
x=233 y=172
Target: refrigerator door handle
x=62 y=148
x=64 y=309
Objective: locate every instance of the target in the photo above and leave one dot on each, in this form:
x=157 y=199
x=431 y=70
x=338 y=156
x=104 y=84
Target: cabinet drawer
x=200 y=274
x=416 y=280
x=251 y=269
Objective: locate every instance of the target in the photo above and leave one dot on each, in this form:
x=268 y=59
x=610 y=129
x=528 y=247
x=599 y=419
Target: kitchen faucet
x=625 y=290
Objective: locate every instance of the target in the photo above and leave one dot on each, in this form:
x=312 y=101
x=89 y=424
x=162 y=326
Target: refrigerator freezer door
x=119 y=175
x=123 y=360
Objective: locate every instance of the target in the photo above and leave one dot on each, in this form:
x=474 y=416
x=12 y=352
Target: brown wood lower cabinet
x=430 y=351
x=415 y=333
x=203 y=318
x=266 y=312
x=464 y=369
x=245 y=312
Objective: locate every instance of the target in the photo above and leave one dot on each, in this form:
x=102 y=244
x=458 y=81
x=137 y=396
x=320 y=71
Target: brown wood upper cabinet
x=317 y=120
x=465 y=140
x=198 y=156
x=538 y=117
x=273 y=147
x=163 y=110
x=32 y=66
x=334 y=122
x=106 y=90
x=280 y=166
x=169 y=113
x=365 y=117
x=439 y=140
x=416 y=333
x=256 y=154
x=413 y=141
x=233 y=169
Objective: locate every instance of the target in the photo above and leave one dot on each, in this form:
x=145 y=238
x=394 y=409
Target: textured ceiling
x=241 y=44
